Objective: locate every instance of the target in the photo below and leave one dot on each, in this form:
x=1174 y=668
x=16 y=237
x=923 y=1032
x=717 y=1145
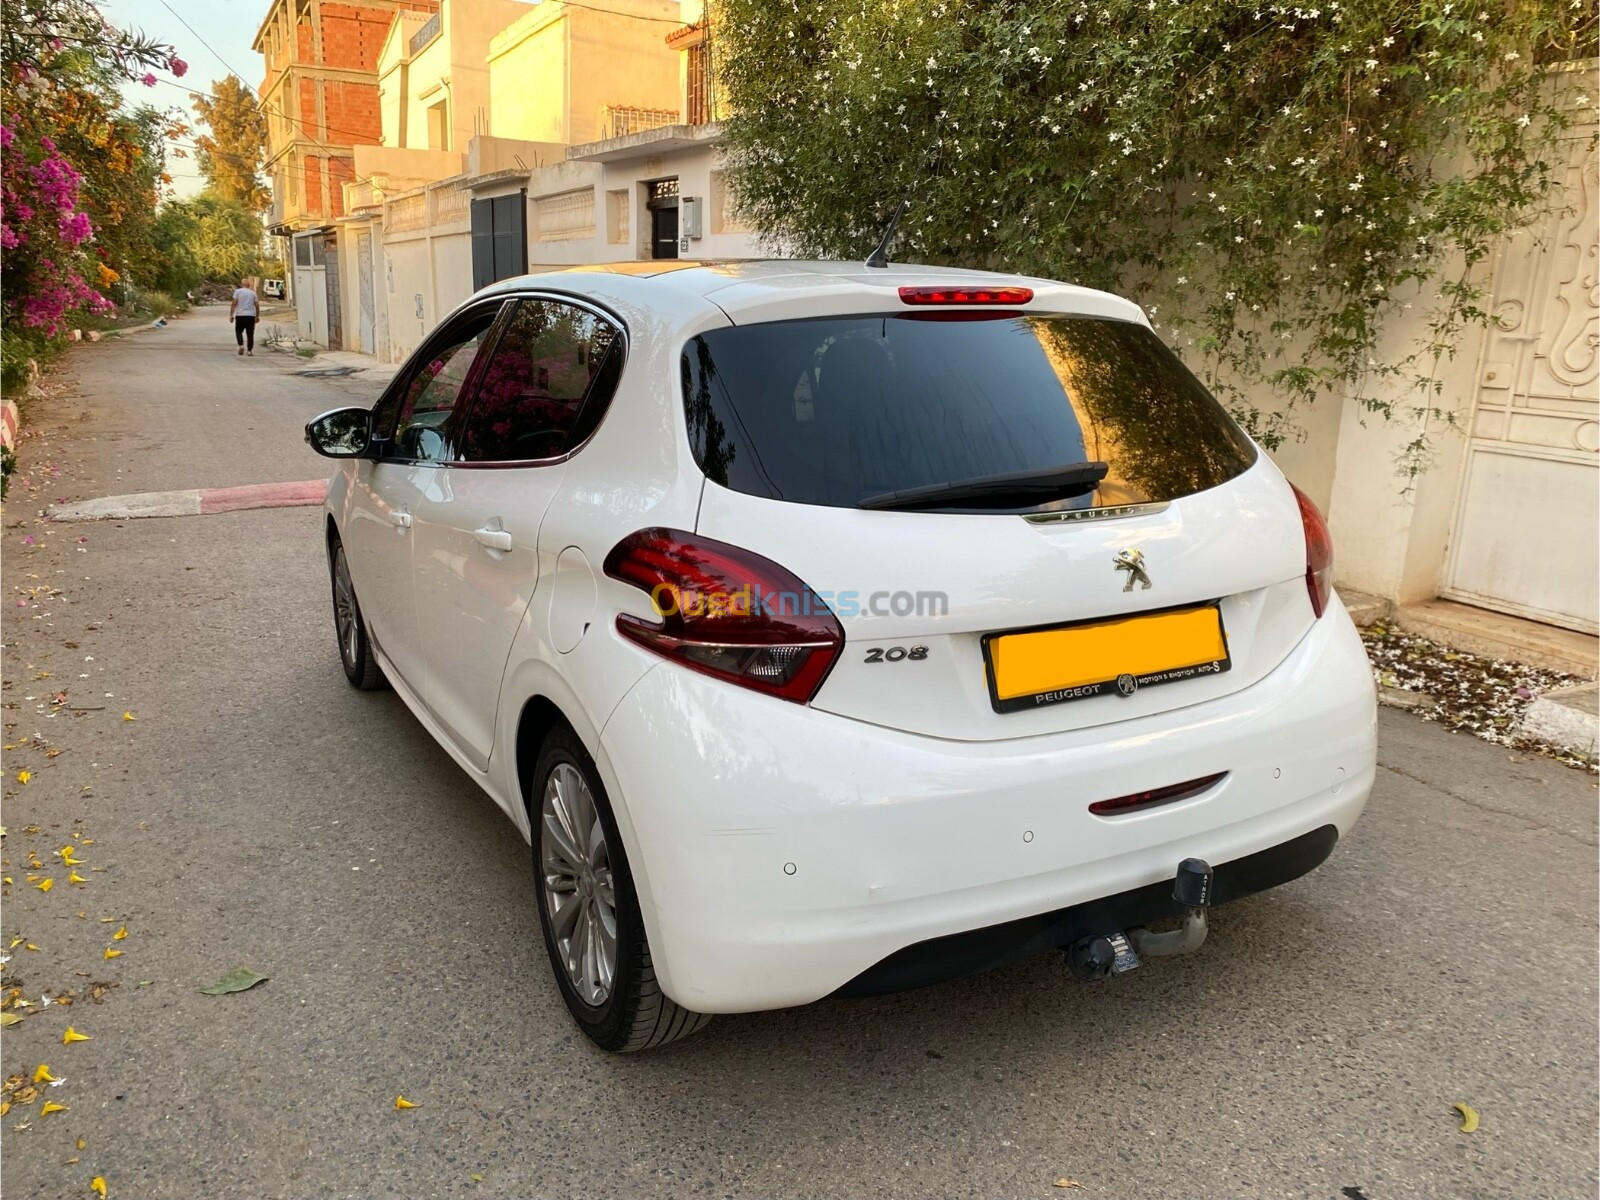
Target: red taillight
x=1319 y=553
x=727 y=612
x=1170 y=794
x=966 y=295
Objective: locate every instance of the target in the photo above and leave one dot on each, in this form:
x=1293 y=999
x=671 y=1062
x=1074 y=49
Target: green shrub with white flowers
x=1271 y=182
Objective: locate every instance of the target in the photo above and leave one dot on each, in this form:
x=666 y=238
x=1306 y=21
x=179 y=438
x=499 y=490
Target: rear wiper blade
x=1023 y=487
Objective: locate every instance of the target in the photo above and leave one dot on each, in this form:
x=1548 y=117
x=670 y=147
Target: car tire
x=355 y=648
x=627 y=1011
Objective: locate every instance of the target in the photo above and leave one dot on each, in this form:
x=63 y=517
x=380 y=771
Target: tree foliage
x=1271 y=181
x=230 y=156
x=210 y=237
x=78 y=181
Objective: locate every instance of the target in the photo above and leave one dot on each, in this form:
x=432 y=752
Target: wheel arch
x=538 y=717
x=549 y=701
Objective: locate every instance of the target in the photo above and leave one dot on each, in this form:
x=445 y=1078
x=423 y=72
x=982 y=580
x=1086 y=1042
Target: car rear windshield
x=840 y=410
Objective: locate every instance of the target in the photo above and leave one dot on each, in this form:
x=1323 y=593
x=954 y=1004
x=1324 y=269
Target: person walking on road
x=242 y=312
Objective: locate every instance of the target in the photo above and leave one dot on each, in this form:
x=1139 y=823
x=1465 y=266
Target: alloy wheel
x=345 y=617
x=576 y=876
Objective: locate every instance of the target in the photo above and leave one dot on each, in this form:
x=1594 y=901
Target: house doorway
x=663 y=205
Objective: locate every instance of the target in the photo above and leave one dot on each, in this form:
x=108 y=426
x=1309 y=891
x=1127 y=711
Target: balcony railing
x=429 y=31
x=620 y=121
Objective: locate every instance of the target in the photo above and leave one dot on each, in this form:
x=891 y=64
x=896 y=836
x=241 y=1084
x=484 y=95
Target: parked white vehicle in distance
x=831 y=630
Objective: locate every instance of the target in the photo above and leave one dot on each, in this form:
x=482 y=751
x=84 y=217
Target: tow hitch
x=1118 y=953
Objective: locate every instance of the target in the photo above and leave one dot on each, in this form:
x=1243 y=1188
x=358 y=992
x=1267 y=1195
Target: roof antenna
x=880 y=256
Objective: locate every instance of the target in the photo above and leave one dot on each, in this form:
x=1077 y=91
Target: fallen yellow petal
x=97 y=1185
x=42 y=1075
x=44 y=885
x=128 y=716
x=5 y=1107
x=120 y=934
x=67 y=853
x=1469 y=1117
x=82 y=1143
x=1066 y=1183
x=76 y=878
x=5 y=879
x=15 y=942
x=72 y=1035
x=24 y=776
x=29 y=946
x=50 y=1106
x=402 y=1102
x=110 y=953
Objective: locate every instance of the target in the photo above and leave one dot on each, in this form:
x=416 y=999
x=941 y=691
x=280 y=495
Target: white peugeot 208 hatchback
x=832 y=630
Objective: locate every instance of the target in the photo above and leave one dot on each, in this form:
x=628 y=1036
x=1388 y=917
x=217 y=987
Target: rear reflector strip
x=972 y=295
x=1170 y=794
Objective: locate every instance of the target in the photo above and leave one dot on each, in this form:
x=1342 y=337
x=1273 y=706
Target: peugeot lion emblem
x=1132 y=561
x=1127 y=684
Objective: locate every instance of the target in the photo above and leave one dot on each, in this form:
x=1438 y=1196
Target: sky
x=218 y=45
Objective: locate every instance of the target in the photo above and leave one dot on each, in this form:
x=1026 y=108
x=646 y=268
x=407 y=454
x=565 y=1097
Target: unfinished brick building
x=320 y=98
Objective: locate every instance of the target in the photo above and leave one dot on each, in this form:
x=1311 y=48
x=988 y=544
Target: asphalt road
x=258 y=811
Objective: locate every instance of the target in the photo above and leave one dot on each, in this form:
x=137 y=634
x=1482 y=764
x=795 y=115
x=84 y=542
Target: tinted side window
x=423 y=428
x=552 y=370
x=834 y=410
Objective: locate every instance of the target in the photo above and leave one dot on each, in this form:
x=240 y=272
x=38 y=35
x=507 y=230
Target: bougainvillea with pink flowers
x=65 y=148
x=43 y=232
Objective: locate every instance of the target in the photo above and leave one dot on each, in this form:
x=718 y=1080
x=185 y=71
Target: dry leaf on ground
x=237 y=980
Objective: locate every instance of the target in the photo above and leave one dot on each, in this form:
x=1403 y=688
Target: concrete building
x=319 y=94
x=572 y=73
x=648 y=185
x=460 y=194
x=433 y=74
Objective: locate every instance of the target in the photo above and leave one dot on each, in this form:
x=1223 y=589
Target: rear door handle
x=495 y=539
x=400 y=520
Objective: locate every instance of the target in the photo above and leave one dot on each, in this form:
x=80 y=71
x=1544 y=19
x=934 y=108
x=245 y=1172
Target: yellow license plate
x=1075 y=662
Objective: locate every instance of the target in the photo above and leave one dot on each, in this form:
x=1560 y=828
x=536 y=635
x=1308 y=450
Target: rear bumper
x=976 y=950
x=783 y=854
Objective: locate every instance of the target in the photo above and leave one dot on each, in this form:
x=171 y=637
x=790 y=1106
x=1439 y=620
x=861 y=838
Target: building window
x=699 y=84
x=439 y=126
x=617 y=222
x=725 y=216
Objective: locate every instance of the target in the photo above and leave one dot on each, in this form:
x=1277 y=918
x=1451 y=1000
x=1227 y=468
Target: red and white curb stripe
x=8 y=425
x=193 y=502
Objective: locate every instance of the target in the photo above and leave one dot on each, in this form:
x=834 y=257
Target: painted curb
x=10 y=421
x=263 y=495
x=194 y=502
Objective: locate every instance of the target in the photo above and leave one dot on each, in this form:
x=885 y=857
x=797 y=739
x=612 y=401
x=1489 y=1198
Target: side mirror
x=342 y=433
